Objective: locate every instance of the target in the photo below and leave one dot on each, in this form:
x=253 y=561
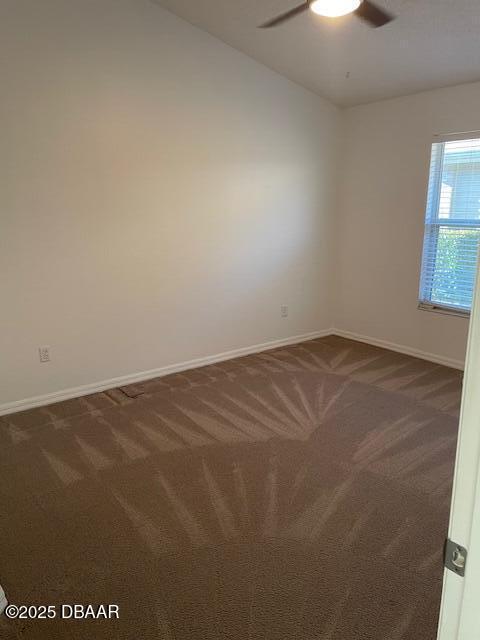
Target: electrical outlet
x=44 y=354
x=284 y=311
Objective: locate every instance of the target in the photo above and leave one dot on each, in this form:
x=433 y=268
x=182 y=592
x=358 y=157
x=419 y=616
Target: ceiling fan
x=364 y=9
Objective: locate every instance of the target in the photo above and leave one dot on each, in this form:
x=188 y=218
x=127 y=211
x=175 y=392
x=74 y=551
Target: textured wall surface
x=161 y=195
x=381 y=218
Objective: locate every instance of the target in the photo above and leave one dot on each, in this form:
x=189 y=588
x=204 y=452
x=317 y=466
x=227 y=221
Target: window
x=452 y=225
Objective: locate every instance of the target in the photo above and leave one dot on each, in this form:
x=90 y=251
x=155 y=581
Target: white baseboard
x=400 y=348
x=112 y=383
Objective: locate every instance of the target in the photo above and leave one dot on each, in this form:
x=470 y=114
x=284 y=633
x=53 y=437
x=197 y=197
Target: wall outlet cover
x=44 y=354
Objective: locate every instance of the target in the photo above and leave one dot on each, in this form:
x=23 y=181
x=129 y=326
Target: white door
x=3 y=600
x=460 y=612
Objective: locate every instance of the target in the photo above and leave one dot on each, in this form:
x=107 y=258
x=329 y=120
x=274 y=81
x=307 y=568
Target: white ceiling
x=432 y=43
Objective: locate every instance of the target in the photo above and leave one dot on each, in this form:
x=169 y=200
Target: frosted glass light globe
x=334 y=8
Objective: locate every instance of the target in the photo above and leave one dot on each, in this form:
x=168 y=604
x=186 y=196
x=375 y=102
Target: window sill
x=447 y=311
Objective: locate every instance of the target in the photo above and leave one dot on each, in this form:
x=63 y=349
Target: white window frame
x=432 y=211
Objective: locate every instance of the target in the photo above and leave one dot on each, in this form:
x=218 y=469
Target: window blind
x=452 y=225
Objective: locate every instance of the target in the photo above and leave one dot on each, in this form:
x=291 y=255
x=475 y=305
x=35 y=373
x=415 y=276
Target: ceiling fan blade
x=285 y=16
x=372 y=14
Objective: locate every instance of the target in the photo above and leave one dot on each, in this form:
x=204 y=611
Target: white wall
x=383 y=181
x=161 y=195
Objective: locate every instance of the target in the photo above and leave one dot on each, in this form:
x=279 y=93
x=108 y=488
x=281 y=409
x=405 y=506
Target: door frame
x=460 y=609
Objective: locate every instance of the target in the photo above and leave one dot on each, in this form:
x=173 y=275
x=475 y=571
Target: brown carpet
x=298 y=494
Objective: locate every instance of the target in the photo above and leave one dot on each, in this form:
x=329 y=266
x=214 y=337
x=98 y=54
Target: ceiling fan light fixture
x=334 y=8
